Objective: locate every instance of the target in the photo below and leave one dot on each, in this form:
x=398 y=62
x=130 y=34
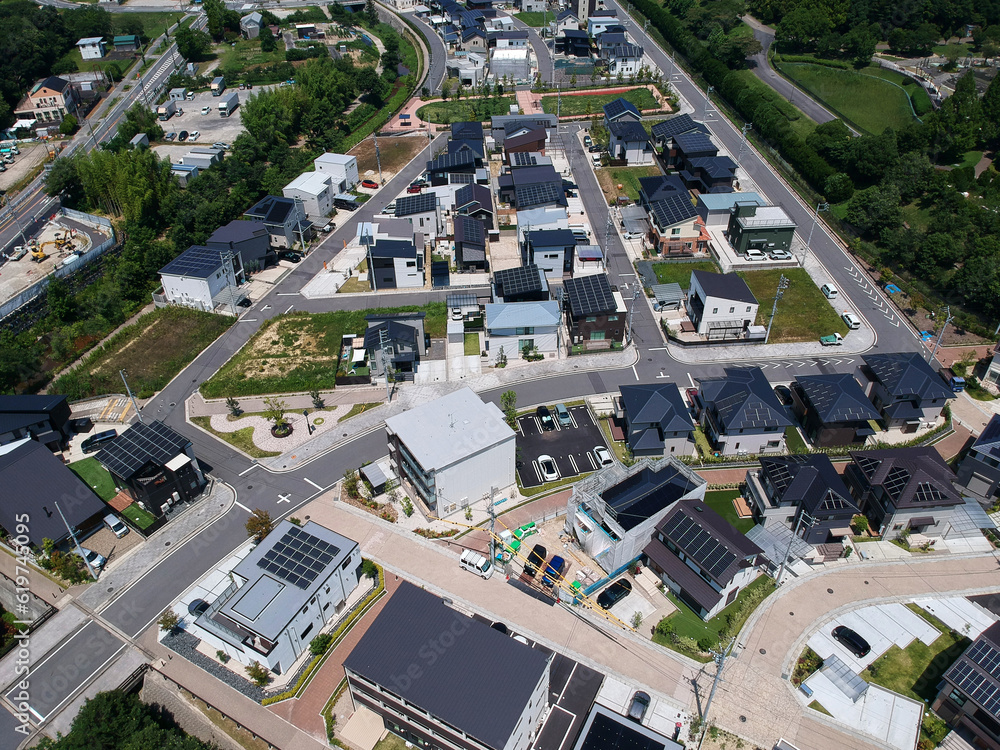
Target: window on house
x=597 y=335
x=526 y=331
x=411 y=264
x=612 y=318
x=715 y=311
x=675 y=232
x=306 y=631
x=591 y=319
x=748 y=308
x=732 y=309
x=344 y=566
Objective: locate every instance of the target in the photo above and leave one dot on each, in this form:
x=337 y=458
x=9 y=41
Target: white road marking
x=247 y=320
x=284 y=498
x=635 y=373
x=568 y=679
x=237 y=502
x=307 y=479
x=288 y=310
x=690 y=380
x=247 y=471
x=286 y=294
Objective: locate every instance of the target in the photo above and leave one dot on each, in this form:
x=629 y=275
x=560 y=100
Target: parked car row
x=753 y=253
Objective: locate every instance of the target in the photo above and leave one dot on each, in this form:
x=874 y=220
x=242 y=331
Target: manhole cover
x=763 y=651
x=743 y=719
x=110 y=589
x=345 y=434
x=172 y=403
x=866 y=583
x=649 y=359
x=829 y=591
x=166 y=544
x=792 y=614
x=307 y=518
x=249 y=486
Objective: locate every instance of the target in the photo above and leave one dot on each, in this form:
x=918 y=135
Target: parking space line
x=573 y=463
x=568 y=679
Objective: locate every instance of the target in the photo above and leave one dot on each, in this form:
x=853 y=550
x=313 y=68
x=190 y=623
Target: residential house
x=395 y=264
x=342 y=169
x=250 y=239
x=991 y=378
x=154 y=465
x=833 y=409
x=474 y=147
x=422 y=212
x=282 y=594
x=656 y=420
x=531 y=6
x=500 y=124
x=470 y=69
x=968 y=696
x=40 y=492
x=42 y=418
x=92 y=48
x=805 y=494
x=544 y=217
x=431 y=696
x=664 y=131
x=532 y=187
x=595 y=314
x=402 y=338
x=905 y=389
x=529 y=138
x=567 y=21
x=701 y=558
x=606 y=40
x=740 y=413
x=127 y=43
x=202 y=279
x=520 y=326
x=251 y=24
x=467 y=131
x=603 y=728
x=443 y=169
x=512 y=62
x=470 y=243
x=551 y=250
x=716 y=209
x=451 y=452
x=612 y=513
x=674 y=221
x=49 y=100
x=314 y=190
x=520 y=284
x=689 y=144
x=475 y=201
x=623 y=59
x=620 y=109
x=765 y=228
x=903 y=490
x=285 y=220
x=720 y=306
x=600 y=21
x=573 y=41
x=629 y=141
x=709 y=174
x=513 y=39
x=979 y=472
x=475 y=39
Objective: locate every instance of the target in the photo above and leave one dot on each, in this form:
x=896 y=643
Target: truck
x=834 y=339
x=218 y=85
x=955 y=382
x=229 y=103
x=166 y=110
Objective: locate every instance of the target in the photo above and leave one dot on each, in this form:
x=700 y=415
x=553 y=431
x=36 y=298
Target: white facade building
x=315 y=191
x=519 y=325
x=343 y=170
x=511 y=62
x=198 y=278
x=92 y=48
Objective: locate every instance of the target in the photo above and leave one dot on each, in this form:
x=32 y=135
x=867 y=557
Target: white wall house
x=599 y=24
x=629 y=139
x=343 y=170
x=315 y=191
x=516 y=325
x=715 y=299
x=197 y=278
x=624 y=59
x=451 y=452
x=92 y=48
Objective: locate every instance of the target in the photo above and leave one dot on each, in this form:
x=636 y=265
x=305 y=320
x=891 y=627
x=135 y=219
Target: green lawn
x=592 y=104
x=472 y=345
x=391 y=742
x=609 y=178
x=721 y=501
x=154 y=24
x=96 y=477
x=535 y=19
x=246 y=54
x=917 y=217
x=680 y=273
x=241 y=439
x=804 y=314
x=358 y=409
x=970 y=159
x=87 y=66
x=141 y=518
x=461 y=110
x=942 y=49
x=794 y=441
x=867 y=101
x=918 y=95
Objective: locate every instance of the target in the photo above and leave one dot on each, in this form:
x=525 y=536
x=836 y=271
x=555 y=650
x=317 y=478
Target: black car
x=614 y=593
x=784 y=395
x=637 y=709
x=595 y=149
x=536 y=558
x=290 y=255
x=183 y=136
x=852 y=641
x=545 y=417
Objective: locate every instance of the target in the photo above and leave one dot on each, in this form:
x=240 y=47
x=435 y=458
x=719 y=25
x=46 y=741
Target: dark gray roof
x=675 y=126
x=470 y=232
x=707 y=538
x=416 y=204
x=907 y=374
x=539 y=194
x=725 y=286
x=449 y=162
x=911 y=477
x=55 y=82
x=660 y=405
x=743 y=400
x=988 y=442
x=837 y=397
x=397 y=332
x=238 y=230
x=577 y=35
x=589 y=295
x=810 y=482
x=272 y=209
x=197 y=262
x=519 y=280
x=473 y=197
x=527 y=176
x=672 y=209
x=695 y=142
x=606 y=730
x=977 y=671
x=642 y=495
x=467 y=131
x=611 y=38
x=623 y=50
x=628 y=130
x=450 y=685
x=713 y=166
x=139 y=445
x=663 y=186
x=393 y=249
x=33 y=481
x=476 y=148
x=24 y=410
x=551 y=237
x=533 y=135
x=566 y=14
x=619 y=107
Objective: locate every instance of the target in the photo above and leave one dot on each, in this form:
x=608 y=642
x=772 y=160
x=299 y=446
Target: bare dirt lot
x=395 y=153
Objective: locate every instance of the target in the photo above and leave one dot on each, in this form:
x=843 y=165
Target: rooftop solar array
x=447 y=162
x=298 y=558
x=138 y=445
x=982 y=688
x=589 y=295
x=524 y=159
x=673 y=209
x=619 y=107
x=675 y=126
x=698 y=544
x=895 y=481
x=416 y=204
x=695 y=143
x=520 y=280
x=197 y=261
x=539 y=194
x=867 y=464
x=928 y=493
x=469 y=230
x=837 y=398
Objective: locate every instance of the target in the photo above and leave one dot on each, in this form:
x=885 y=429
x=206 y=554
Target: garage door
x=980 y=485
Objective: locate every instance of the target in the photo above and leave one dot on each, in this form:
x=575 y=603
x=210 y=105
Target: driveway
x=570 y=446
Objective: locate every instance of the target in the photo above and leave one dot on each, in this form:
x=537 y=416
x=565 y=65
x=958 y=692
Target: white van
x=475 y=563
x=116 y=524
x=829 y=291
x=596 y=159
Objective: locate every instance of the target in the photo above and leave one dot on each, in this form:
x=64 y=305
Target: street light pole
x=779 y=293
x=747 y=127
x=819 y=207
x=704 y=116
x=628 y=318
x=719 y=657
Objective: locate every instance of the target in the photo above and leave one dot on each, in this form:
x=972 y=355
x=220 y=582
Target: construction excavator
x=37 y=254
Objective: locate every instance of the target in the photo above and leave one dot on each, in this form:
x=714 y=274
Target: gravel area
x=186 y=645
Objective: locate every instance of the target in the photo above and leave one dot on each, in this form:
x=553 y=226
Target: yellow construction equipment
x=38 y=255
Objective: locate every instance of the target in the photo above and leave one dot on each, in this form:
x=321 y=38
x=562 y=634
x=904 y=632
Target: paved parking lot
x=571 y=447
x=211 y=126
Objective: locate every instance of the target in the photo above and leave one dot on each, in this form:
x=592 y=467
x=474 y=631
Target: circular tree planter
x=283 y=432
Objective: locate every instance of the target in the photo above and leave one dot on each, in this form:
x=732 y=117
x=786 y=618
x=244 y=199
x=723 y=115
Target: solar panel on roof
x=416 y=204
x=698 y=544
x=589 y=295
x=520 y=280
x=139 y=445
x=536 y=195
x=895 y=481
x=302 y=557
x=928 y=493
x=197 y=261
x=673 y=209
x=979 y=687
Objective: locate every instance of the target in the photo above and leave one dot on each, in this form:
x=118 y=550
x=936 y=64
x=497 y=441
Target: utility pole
x=788 y=549
x=719 y=657
x=491 y=509
x=124 y=374
x=704 y=116
x=76 y=541
x=819 y=207
x=378 y=158
x=628 y=317
x=608 y=228
x=779 y=293
x=948 y=318
x=298 y=223
x=383 y=345
x=747 y=127
x=226 y=257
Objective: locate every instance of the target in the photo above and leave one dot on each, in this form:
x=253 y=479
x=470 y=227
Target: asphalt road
x=542 y=53
x=435 y=72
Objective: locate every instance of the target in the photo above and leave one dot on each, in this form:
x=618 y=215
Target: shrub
x=369 y=568
x=222 y=656
x=320 y=644
x=352 y=484
x=169 y=621
x=258 y=674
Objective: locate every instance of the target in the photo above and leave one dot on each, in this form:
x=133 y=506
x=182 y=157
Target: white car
x=547 y=466
x=754 y=254
x=96 y=560
x=206 y=110
x=852 y=320
x=603 y=456
x=194 y=135
x=780 y=255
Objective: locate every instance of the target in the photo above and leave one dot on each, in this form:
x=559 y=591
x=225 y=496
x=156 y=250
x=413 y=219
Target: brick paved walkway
x=304 y=712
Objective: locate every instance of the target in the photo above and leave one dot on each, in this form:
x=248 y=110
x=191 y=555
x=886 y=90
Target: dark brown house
x=595 y=313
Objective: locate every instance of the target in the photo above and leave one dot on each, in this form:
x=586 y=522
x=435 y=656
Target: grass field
x=394 y=153
x=970 y=159
x=472 y=345
x=804 y=314
x=867 y=101
x=921 y=101
x=592 y=104
x=96 y=477
x=721 y=501
x=358 y=409
x=680 y=273
x=246 y=53
x=535 y=19
x=301 y=352
x=610 y=178
x=154 y=24
x=942 y=49
x=461 y=110
x=153 y=350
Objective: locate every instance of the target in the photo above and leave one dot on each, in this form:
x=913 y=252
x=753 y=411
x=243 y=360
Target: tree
x=317 y=399
x=445 y=89
x=68 y=125
x=320 y=644
x=860 y=44
x=258 y=674
x=369 y=568
x=508 y=404
x=274 y=412
x=59 y=298
x=875 y=210
x=371 y=12
x=194 y=44
x=259 y=525
x=351 y=484
x=169 y=621
x=373 y=85
x=234 y=406
x=267 y=41
x=838 y=188
x=991 y=109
